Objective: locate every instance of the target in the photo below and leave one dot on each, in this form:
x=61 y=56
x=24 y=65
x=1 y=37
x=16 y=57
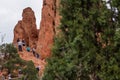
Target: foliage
x=9 y=49
x=88 y=45
x=14 y=62
x=30 y=71
x=2 y=38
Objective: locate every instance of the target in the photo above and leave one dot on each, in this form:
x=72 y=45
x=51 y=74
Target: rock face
x=26 y=28
x=49 y=22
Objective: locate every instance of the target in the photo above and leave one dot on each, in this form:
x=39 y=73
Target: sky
x=11 y=13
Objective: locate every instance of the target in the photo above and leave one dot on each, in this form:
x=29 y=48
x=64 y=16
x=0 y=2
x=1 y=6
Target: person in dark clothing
x=20 y=45
x=23 y=42
x=37 y=55
x=33 y=51
x=38 y=68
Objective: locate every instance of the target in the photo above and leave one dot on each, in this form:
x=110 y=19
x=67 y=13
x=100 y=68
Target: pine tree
x=87 y=47
x=12 y=62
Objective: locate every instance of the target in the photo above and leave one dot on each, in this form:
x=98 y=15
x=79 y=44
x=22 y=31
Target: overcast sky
x=11 y=12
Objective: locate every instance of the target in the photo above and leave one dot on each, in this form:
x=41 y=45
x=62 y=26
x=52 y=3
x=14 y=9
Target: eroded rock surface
x=42 y=38
x=49 y=22
x=26 y=28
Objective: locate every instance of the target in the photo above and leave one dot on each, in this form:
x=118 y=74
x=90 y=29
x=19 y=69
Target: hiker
x=20 y=45
x=38 y=68
x=28 y=48
x=9 y=77
x=37 y=55
x=19 y=72
x=23 y=42
x=34 y=51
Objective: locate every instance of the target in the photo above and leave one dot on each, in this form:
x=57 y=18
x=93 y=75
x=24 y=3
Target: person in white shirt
x=9 y=77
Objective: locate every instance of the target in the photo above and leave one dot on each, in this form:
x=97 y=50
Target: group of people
x=21 y=43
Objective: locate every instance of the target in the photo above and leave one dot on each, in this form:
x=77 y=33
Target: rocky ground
x=37 y=61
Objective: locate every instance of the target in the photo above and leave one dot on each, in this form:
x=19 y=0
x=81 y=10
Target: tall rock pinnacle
x=26 y=28
x=49 y=22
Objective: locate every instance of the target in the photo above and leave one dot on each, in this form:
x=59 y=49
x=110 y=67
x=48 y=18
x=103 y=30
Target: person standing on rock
x=34 y=51
x=28 y=48
x=20 y=45
x=9 y=77
x=38 y=68
x=23 y=42
x=37 y=55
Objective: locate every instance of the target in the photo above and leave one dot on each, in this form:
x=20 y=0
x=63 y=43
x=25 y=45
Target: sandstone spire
x=49 y=22
x=26 y=28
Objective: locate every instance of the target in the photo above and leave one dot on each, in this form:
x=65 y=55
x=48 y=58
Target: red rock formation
x=26 y=28
x=49 y=22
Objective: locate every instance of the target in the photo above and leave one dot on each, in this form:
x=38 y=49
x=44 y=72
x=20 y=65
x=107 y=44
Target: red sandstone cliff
x=26 y=28
x=49 y=22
